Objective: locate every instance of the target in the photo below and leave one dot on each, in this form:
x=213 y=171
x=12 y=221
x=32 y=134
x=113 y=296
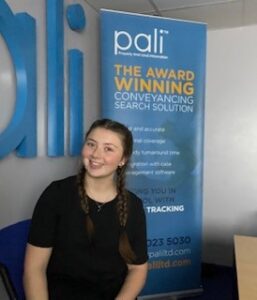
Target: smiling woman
x=88 y=233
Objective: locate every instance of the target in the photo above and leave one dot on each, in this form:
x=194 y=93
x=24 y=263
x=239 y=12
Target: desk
x=246 y=266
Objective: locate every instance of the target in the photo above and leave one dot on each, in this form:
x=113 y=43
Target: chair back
x=7 y=291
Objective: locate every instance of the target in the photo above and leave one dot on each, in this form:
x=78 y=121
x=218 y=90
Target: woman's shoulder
x=134 y=199
x=132 y=195
x=58 y=188
x=58 y=192
x=136 y=210
x=64 y=183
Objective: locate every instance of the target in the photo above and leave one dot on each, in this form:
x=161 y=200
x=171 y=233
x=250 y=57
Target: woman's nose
x=96 y=152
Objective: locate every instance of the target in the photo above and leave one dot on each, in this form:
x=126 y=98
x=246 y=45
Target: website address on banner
x=165 y=264
x=168 y=253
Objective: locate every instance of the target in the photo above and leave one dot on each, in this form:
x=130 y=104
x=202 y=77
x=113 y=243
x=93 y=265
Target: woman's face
x=102 y=153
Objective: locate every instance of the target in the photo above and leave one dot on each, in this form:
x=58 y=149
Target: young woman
x=88 y=234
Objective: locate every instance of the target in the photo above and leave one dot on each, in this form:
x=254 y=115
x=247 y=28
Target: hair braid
x=84 y=202
x=123 y=201
x=124 y=246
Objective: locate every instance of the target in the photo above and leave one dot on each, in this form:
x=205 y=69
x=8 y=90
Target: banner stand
x=174 y=295
x=153 y=81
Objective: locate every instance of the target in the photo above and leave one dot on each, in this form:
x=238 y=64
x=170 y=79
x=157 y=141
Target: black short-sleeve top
x=59 y=222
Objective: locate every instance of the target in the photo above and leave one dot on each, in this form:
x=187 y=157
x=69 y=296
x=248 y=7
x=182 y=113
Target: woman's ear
x=122 y=162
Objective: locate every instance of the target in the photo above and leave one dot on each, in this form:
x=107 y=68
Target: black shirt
x=76 y=265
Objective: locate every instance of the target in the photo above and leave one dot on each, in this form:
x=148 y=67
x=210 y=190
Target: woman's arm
x=34 y=278
x=134 y=282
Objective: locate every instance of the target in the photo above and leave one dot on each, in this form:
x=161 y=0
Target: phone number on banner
x=179 y=240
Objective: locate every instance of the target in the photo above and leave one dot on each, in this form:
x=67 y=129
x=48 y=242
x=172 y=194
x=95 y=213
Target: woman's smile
x=94 y=164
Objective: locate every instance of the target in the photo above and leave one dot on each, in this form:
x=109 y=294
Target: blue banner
x=153 y=80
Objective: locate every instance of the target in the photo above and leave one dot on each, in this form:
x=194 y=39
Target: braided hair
x=123 y=198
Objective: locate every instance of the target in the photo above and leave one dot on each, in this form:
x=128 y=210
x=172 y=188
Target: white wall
x=23 y=180
x=230 y=188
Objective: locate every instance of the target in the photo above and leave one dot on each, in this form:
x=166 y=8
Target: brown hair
x=123 y=199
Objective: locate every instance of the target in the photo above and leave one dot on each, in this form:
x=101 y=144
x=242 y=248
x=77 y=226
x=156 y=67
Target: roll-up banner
x=153 y=80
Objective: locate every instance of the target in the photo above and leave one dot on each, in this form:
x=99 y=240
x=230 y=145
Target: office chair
x=7 y=291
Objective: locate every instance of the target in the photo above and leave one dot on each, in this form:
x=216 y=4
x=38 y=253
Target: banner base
x=173 y=295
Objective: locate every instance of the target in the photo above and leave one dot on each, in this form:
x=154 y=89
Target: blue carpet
x=219 y=283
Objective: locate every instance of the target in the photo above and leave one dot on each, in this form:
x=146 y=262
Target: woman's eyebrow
x=106 y=144
x=111 y=144
x=90 y=139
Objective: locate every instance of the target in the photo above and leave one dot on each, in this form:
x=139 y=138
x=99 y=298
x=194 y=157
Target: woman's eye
x=108 y=149
x=90 y=144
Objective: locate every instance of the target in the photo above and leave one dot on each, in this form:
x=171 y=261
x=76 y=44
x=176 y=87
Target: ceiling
x=216 y=13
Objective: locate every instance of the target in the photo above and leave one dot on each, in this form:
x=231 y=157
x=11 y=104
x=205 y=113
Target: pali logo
x=144 y=43
x=19 y=33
